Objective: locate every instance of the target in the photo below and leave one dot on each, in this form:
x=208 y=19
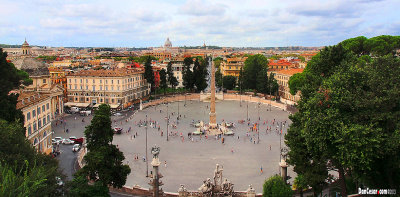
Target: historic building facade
x=232 y=66
x=37 y=112
x=117 y=87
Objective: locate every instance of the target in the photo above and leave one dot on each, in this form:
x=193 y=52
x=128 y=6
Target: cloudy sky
x=142 y=23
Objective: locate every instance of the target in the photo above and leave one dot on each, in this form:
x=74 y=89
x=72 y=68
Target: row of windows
x=111 y=80
x=32 y=128
x=101 y=87
x=37 y=111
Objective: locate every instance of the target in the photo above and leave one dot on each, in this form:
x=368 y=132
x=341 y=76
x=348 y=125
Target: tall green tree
x=10 y=78
x=262 y=81
x=188 y=79
x=240 y=80
x=252 y=66
x=276 y=187
x=148 y=72
x=103 y=160
x=200 y=74
x=163 y=80
x=344 y=121
x=171 y=78
x=273 y=84
x=229 y=82
x=218 y=78
x=79 y=186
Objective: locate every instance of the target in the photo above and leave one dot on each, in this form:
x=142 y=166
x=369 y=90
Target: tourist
x=165 y=163
x=261 y=170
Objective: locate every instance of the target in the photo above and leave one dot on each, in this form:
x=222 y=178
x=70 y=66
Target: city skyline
x=190 y=23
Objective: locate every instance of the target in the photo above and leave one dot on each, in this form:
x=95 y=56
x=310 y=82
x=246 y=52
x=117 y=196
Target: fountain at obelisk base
x=213 y=128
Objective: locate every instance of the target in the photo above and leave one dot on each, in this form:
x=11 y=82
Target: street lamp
x=147 y=162
x=247 y=109
x=167 y=120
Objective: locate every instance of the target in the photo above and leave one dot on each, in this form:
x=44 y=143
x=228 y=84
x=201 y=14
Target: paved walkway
x=192 y=162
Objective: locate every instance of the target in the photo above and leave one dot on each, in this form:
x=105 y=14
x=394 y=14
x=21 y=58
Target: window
x=112 y=81
x=47 y=106
x=118 y=81
x=87 y=87
x=39 y=123
x=48 y=118
x=69 y=80
x=81 y=87
x=28 y=116
x=106 y=81
x=44 y=121
x=94 y=88
x=34 y=113
x=101 y=81
x=29 y=130
x=106 y=87
x=112 y=87
x=101 y=87
x=38 y=110
x=34 y=127
x=43 y=108
x=44 y=80
x=76 y=87
x=93 y=80
x=81 y=80
x=75 y=80
x=87 y=81
x=69 y=87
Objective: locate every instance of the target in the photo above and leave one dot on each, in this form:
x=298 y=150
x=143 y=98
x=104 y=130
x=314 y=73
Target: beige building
x=283 y=76
x=40 y=75
x=37 y=112
x=118 y=87
x=232 y=66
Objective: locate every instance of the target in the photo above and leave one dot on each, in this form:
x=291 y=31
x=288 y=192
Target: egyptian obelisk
x=213 y=117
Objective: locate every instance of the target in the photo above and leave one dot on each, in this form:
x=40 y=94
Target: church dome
x=32 y=66
x=167 y=43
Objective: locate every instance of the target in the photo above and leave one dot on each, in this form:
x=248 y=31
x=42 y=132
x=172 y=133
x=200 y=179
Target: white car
x=76 y=148
x=58 y=139
x=67 y=141
x=72 y=138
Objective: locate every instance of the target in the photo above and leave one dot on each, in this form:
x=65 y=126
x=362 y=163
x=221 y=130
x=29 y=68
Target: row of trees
x=196 y=78
x=348 y=119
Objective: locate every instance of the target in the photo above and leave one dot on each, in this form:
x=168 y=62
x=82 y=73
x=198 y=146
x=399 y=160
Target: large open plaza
x=189 y=162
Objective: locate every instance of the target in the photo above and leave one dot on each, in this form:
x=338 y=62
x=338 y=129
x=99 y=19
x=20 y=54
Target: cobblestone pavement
x=190 y=162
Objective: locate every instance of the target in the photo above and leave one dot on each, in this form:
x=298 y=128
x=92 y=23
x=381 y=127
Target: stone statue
x=155 y=151
x=284 y=153
x=227 y=187
x=218 y=177
x=207 y=187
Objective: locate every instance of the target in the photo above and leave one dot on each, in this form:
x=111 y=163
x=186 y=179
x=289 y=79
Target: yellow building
x=37 y=113
x=117 y=87
x=232 y=66
x=283 y=76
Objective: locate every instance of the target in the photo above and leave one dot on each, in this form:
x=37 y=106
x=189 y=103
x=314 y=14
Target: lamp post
x=167 y=121
x=147 y=162
x=247 y=110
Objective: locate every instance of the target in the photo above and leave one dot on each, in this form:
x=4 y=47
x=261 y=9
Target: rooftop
x=290 y=72
x=28 y=98
x=119 y=72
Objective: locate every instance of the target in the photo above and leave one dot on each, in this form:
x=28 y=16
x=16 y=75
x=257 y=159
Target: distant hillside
x=9 y=46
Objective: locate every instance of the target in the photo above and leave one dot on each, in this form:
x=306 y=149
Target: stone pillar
x=250 y=192
x=155 y=163
x=213 y=117
x=283 y=166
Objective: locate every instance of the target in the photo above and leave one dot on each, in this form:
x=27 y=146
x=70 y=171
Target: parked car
x=78 y=140
x=72 y=138
x=67 y=141
x=75 y=110
x=117 y=130
x=76 y=147
x=86 y=113
x=117 y=114
x=58 y=139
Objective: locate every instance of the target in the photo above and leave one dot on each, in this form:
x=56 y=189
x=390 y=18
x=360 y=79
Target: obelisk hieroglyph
x=213 y=117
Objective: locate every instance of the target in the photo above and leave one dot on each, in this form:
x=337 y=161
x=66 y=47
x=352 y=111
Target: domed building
x=167 y=43
x=41 y=82
x=26 y=49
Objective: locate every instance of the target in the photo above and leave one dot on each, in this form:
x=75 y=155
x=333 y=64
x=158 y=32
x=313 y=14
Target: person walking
x=261 y=170
x=165 y=163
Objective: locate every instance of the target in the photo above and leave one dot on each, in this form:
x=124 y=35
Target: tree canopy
x=252 y=66
x=163 y=80
x=348 y=115
x=148 y=72
x=276 y=187
x=188 y=78
x=200 y=74
x=171 y=78
x=103 y=160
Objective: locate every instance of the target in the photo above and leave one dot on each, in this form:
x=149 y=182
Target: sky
x=229 y=23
